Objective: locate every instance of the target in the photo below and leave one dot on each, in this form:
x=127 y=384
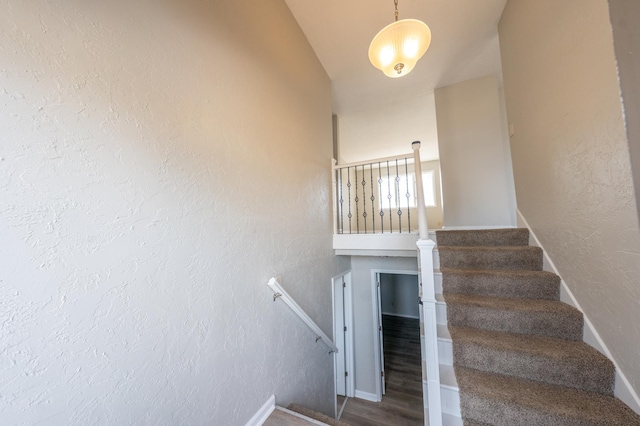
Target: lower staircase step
x=496 y=399
x=285 y=417
x=550 y=318
x=555 y=361
x=301 y=409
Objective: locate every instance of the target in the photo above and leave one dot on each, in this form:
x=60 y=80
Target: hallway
x=402 y=402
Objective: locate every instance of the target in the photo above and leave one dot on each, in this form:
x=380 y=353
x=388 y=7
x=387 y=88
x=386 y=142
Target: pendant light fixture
x=398 y=46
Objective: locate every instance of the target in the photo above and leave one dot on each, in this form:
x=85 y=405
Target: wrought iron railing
x=376 y=196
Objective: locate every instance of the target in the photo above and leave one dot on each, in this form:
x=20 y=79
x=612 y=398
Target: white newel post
x=334 y=191
x=425 y=264
x=428 y=299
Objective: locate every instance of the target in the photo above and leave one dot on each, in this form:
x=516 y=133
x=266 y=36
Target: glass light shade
x=398 y=46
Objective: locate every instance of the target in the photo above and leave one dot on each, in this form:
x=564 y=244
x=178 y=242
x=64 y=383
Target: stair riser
x=441 y=313
x=436 y=260
x=486 y=411
x=583 y=376
x=450 y=400
x=545 y=288
x=496 y=237
x=445 y=352
x=563 y=325
x=526 y=258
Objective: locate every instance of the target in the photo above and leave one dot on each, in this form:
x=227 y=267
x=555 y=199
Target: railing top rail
x=281 y=293
x=409 y=158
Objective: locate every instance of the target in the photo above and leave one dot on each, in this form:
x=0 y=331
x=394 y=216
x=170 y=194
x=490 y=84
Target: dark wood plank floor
x=402 y=403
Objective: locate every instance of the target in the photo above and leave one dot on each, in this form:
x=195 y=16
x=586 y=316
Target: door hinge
x=419 y=301
x=379 y=328
x=382 y=374
x=345 y=328
x=344 y=285
x=346 y=374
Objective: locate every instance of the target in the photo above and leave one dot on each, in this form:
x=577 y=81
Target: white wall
x=571 y=159
x=159 y=161
x=399 y=295
x=389 y=130
x=476 y=170
x=364 y=315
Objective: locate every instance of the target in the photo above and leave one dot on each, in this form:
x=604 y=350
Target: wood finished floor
x=402 y=404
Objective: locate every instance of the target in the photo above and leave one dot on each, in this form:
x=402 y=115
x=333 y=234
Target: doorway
x=397 y=331
x=343 y=336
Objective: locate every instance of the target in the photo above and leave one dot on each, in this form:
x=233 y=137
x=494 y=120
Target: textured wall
x=626 y=39
x=159 y=161
x=476 y=172
x=398 y=294
x=384 y=131
x=571 y=159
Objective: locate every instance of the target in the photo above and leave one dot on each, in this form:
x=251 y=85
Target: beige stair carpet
x=518 y=353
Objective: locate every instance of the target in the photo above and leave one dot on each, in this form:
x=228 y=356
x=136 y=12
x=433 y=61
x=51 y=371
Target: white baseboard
x=623 y=389
x=367 y=396
x=263 y=413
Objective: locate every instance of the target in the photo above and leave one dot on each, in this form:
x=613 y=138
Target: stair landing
x=283 y=417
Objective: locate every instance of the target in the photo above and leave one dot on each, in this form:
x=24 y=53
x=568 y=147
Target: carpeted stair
x=518 y=353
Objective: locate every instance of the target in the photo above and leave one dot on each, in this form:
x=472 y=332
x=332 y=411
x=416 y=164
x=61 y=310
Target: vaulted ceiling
x=464 y=45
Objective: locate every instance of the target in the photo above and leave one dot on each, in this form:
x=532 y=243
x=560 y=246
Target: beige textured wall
x=571 y=159
x=389 y=129
x=626 y=35
x=476 y=172
x=159 y=162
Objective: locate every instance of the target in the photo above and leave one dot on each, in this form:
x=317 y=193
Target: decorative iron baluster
x=381 y=204
x=406 y=175
x=357 y=200
x=389 y=198
x=349 y=196
x=398 y=203
x=373 y=215
x=364 y=201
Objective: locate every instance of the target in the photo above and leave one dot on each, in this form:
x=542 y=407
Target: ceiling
x=464 y=45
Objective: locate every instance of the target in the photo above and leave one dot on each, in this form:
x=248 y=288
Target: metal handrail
x=280 y=293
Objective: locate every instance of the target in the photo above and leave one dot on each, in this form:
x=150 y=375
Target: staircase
x=517 y=350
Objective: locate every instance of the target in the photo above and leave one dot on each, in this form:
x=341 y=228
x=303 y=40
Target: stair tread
x=496 y=237
x=491 y=248
x=518 y=304
x=540 y=317
x=550 y=347
x=555 y=361
x=509 y=400
x=314 y=416
x=491 y=257
x=497 y=272
x=505 y=283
